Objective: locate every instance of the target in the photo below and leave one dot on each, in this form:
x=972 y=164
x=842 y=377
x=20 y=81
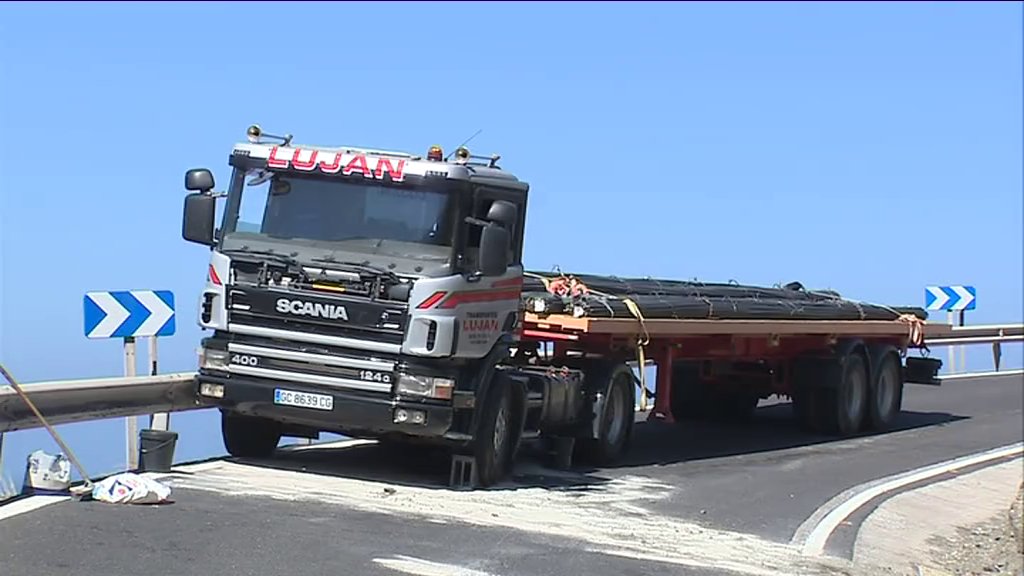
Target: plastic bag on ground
x=47 y=473
x=129 y=488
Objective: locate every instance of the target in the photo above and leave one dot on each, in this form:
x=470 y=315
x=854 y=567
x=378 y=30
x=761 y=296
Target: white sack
x=129 y=488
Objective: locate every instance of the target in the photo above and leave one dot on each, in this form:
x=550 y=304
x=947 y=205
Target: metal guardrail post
x=997 y=350
x=160 y=421
x=131 y=423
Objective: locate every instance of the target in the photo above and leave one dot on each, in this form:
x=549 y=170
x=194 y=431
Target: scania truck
x=377 y=294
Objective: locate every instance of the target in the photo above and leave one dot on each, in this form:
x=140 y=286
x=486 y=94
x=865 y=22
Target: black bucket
x=156 y=450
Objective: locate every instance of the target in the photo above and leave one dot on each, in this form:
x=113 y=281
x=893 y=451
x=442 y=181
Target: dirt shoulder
x=991 y=547
x=962 y=526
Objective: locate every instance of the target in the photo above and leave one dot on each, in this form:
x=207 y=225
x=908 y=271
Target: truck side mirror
x=199 y=180
x=197 y=222
x=494 y=244
x=502 y=212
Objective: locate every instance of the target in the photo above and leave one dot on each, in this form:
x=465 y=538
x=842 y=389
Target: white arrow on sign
x=940 y=297
x=965 y=298
x=116 y=314
x=160 y=311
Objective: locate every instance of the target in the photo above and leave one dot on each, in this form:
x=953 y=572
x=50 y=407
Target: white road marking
x=333 y=445
x=29 y=504
x=814 y=533
x=1016 y=372
x=420 y=567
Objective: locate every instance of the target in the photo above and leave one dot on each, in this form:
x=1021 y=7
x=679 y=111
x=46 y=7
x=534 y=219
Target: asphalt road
x=692 y=499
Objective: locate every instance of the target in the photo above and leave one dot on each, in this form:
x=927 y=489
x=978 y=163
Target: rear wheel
x=886 y=393
x=615 y=429
x=842 y=406
x=249 y=436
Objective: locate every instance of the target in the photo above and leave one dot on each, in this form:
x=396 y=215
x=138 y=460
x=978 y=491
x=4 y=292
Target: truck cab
x=364 y=292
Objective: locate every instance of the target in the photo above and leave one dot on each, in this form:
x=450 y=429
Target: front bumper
x=354 y=413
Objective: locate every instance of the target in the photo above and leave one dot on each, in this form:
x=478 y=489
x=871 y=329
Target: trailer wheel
x=845 y=404
x=249 y=436
x=495 y=439
x=886 y=393
x=617 y=416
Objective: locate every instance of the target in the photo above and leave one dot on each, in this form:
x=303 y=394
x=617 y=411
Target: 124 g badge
x=375 y=376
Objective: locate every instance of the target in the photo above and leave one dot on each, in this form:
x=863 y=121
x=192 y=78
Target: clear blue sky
x=872 y=148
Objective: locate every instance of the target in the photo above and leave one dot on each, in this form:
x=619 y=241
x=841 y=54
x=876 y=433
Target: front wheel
x=494 y=445
x=249 y=436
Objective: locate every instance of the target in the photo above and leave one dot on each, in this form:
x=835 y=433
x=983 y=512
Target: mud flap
x=922 y=371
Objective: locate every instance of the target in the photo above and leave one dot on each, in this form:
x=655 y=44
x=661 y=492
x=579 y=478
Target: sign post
x=953 y=299
x=130 y=314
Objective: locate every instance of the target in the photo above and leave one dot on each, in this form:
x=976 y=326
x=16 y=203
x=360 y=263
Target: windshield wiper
x=357 y=265
x=285 y=259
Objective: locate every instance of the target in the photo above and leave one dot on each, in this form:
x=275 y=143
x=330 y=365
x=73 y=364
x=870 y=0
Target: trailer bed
x=587 y=307
x=565 y=327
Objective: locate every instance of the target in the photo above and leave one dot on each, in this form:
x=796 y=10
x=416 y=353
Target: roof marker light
x=253 y=133
x=435 y=154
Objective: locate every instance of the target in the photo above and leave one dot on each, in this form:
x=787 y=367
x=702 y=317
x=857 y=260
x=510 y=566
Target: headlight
x=210 y=359
x=427 y=386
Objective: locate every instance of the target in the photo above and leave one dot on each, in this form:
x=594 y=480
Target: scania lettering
x=378 y=294
x=301 y=308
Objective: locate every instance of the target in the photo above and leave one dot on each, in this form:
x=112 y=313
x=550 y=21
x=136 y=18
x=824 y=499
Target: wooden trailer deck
x=565 y=327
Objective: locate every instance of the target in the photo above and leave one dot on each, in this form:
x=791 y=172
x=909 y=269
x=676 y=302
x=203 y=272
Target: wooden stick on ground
x=60 y=442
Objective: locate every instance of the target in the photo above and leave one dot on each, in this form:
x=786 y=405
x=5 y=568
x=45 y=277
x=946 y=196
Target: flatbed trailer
x=808 y=360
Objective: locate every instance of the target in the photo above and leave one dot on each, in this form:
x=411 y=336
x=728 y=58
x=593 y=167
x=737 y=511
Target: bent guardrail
x=66 y=401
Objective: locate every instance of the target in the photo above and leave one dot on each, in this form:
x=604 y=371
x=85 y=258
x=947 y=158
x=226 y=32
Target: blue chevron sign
x=950 y=298
x=128 y=313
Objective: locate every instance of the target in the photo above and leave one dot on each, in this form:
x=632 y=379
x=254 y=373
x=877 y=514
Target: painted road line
x=814 y=533
x=419 y=567
x=29 y=504
x=982 y=374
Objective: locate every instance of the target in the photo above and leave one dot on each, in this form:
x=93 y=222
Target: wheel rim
x=613 y=413
x=855 y=394
x=500 y=429
x=885 y=393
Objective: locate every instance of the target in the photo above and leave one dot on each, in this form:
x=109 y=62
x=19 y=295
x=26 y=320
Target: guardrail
x=66 y=401
x=995 y=334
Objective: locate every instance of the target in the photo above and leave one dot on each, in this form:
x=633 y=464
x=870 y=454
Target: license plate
x=303 y=399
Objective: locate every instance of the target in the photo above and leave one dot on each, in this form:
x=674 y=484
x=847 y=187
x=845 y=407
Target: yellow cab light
x=435 y=153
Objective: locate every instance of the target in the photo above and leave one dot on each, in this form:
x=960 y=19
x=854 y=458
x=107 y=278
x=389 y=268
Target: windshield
x=338 y=214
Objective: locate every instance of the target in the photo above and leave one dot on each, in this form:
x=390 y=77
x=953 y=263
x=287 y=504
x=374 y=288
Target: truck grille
x=295 y=364
x=318 y=313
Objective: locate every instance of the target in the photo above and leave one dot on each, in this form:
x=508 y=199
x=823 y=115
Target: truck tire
x=615 y=429
x=842 y=407
x=249 y=436
x=494 y=442
x=886 y=400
